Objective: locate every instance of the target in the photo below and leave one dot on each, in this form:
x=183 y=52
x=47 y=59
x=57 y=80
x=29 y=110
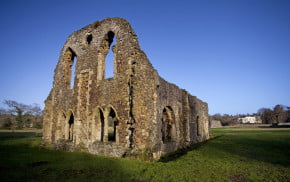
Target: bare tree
x=288 y=114
x=267 y=115
x=2 y=111
x=225 y=119
x=278 y=115
x=24 y=114
x=18 y=109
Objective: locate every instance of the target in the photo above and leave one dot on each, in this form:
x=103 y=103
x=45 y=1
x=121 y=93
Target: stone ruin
x=215 y=124
x=135 y=113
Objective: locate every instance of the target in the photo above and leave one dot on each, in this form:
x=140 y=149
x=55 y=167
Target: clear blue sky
x=233 y=54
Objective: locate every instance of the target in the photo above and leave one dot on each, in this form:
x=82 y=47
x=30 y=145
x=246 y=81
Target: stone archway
x=168 y=128
x=112 y=123
x=71 y=127
x=98 y=125
x=101 y=124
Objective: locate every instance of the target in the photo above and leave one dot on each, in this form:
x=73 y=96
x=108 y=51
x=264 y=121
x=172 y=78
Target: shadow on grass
x=17 y=135
x=179 y=153
x=275 y=126
x=270 y=146
x=266 y=146
x=22 y=162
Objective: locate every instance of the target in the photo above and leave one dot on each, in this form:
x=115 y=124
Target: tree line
x=279 y=114
x=20 y=116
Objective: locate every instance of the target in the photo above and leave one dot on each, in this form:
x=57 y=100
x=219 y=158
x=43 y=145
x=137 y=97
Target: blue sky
x=232 y=54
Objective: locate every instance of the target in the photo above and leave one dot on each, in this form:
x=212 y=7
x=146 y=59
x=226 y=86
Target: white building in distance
x=250 y=119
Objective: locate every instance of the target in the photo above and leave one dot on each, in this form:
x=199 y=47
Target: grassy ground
x=234 y=154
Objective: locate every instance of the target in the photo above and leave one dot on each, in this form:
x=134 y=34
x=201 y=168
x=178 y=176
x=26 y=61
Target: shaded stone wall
x=132 y=113
x=215 y=124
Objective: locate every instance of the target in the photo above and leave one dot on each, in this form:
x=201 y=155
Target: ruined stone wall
x=215 y=124
x=189 y=122
x=133 y=112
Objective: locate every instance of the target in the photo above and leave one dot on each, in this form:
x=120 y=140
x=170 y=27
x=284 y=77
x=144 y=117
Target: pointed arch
x=168 y=128
x=98 y=125
x=89 y=38
x=112 y=122
x=69 y=67
x=101 y=124
x=69 y=126
x=106 y=57
x=110 y=57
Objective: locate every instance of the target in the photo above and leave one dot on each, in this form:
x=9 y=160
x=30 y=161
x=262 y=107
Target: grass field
x=233 y=154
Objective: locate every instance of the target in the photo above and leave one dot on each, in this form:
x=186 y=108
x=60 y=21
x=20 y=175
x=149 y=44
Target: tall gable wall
x=133 y=112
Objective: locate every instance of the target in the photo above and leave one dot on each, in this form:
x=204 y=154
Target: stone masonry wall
x=132 y=113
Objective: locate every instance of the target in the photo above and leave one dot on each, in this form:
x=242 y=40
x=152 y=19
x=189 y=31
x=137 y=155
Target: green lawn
x=233 y=154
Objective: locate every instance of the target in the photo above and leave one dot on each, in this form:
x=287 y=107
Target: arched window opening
x=110 y=57
x=70 y=59
x=71 y=127
x=63 y=125
x=89 y=39
x=73 y=70
x=168 y=125
x=69 y=67
x=198 y=126
x=102 y=123
x=112 y=125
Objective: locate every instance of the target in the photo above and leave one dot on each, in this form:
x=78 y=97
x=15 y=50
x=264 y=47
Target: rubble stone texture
x=133 y=114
